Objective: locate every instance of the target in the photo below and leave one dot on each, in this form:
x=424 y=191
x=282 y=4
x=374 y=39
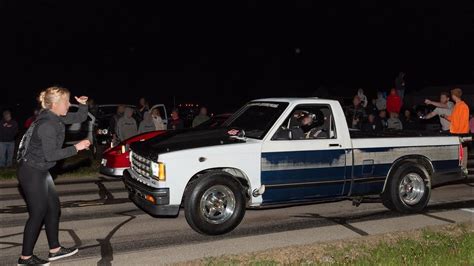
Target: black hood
x=186 y=139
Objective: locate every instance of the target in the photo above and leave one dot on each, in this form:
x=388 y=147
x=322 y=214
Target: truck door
x=306 y=157
x=163 y=114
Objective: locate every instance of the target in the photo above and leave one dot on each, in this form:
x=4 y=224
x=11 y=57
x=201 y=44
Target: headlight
x=103 y=131
x=158 y=171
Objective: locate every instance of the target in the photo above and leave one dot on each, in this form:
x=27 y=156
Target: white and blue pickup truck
x=282 y=152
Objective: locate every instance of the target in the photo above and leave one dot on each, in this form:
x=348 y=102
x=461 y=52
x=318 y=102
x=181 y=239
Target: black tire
x=196 y=194
x=393 y=197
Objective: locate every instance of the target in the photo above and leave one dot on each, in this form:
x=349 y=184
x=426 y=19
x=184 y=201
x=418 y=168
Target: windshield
x=215 y=121
x=256 y=118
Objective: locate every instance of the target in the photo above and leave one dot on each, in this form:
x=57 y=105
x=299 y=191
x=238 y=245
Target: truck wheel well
x=415 y=159
x=237 y=174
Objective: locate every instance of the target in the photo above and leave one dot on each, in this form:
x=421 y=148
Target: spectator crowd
x=128 y=122
x=383 y=113
x=390 y=113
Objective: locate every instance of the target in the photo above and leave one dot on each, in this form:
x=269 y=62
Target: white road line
x=468 y=210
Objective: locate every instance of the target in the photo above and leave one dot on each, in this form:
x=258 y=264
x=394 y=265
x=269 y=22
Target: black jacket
x=8 y=130
x=46 y=144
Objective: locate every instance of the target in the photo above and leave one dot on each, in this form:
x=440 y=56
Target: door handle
x=334 y=145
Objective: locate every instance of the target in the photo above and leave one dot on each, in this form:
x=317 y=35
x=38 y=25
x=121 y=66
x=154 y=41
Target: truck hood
x=172 y=141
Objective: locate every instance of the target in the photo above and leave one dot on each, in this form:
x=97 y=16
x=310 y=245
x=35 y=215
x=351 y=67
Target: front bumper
x=138 y=191
x=116 y=172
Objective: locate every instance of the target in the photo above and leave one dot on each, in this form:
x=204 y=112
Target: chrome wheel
x=411 y=189
x=217 y=204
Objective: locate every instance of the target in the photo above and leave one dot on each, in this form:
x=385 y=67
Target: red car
x=116 y=159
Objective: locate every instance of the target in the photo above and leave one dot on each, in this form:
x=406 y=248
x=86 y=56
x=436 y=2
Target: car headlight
x=158 y=171
x=103 y=131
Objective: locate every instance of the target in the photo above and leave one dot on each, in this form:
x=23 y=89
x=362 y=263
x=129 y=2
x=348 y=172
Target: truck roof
x=297 y=100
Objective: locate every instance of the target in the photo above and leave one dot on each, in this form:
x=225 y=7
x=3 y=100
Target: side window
x=308 y=122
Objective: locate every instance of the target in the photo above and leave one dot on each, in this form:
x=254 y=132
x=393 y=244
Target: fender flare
x=417 y=159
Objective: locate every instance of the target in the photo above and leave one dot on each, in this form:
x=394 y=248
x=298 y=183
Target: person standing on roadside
x=201 y=118
x=459 y=119
x=394 y=102
x=175 y=122
x=127 y=125
x=157 y=120
x=146 y=125
x=32 y=118
x=8 y=132
x=113 y=123
x=443 y=107
x=40 y=149
x=143 y=107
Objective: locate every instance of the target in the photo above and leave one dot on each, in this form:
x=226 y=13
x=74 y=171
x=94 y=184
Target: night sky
x=224 y=53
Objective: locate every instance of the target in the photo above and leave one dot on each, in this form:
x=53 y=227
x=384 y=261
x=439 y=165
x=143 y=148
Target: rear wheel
x=214 y=204
x=408 y=190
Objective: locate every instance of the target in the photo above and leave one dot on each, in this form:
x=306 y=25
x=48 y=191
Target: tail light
x=461 y=154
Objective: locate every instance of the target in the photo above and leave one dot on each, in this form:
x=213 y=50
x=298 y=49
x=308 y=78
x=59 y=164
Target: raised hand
x=82 y=99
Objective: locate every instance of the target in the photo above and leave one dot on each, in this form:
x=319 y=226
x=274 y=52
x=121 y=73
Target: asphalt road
x=98 y=217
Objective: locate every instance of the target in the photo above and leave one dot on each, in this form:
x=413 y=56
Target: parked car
x=116 y=159
x=278 y=152
x=105 y=112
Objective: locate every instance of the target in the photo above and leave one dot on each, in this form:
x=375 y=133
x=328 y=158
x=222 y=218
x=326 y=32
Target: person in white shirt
x=443 y=107
x=381 y=102
x=363 y=98
x=157 y=120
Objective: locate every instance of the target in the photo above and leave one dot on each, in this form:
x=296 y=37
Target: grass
x=7 y=173
x=434 y=248
x=76 y=166
x=445 y=245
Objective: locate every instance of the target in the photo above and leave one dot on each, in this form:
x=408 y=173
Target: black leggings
x=43 y=207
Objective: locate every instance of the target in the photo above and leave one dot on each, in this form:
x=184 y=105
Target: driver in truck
x=311 y=125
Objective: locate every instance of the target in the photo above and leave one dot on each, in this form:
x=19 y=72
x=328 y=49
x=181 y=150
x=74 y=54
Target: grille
x=141 y=165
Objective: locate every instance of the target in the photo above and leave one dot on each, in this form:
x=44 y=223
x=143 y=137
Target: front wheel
x=214 y=204
x=408 y=190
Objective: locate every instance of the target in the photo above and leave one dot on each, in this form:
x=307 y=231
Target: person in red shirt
x=31 y=119
x=394 y=102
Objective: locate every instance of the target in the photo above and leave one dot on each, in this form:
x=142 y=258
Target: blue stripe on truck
x=321 y=174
